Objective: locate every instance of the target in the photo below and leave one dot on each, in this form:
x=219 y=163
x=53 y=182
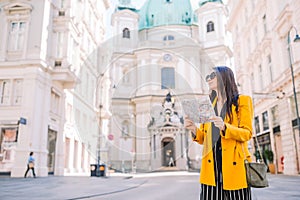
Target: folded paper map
x=199 y=110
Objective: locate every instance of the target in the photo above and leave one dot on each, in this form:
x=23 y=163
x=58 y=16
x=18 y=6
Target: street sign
x=23 y=121
x=110 y=137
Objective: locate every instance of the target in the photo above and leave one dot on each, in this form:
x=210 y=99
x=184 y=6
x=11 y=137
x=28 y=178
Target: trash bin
x=102 y=170
x=95 y=172
x=93 y=168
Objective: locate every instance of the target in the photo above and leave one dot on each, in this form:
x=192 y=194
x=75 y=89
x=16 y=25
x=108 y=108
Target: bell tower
x=125 y=26
x=213 y=35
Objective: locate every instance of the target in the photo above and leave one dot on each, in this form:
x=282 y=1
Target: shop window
x=10 y=134
x=8 y=138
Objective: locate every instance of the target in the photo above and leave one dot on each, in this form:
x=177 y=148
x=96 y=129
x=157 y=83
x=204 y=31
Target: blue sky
x=139 y=3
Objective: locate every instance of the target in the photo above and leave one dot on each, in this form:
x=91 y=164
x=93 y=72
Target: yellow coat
x=234 y=147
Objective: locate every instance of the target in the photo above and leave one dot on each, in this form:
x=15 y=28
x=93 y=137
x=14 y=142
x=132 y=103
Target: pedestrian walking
x=30 y=165
x=171 y=162
x=224 y=139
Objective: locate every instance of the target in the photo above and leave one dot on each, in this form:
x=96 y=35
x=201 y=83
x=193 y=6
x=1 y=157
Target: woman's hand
x=219 y=123
x=190 y=125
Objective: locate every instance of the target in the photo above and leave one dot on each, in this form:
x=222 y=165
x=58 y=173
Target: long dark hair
x=227 y=88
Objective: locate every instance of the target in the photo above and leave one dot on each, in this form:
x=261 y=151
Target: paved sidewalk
x=281 y=187
x=57 y=188
x=76 y=187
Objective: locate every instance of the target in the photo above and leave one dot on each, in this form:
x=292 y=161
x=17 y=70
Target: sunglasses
x=210 y=76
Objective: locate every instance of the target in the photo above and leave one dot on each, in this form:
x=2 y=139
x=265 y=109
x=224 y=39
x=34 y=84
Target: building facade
x=161 y=54
x=47 y=51
x=265 y=53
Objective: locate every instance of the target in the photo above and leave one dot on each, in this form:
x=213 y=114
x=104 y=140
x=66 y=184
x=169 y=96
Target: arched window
x=167 y=78
x=126 y=33
x=210 y=27
x=168 y=37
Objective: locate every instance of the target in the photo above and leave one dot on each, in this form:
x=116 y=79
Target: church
x=158 y=56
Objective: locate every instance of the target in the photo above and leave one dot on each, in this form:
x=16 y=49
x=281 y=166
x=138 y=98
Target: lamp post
x=100 y=81
x=296 y=39
x=99 y=141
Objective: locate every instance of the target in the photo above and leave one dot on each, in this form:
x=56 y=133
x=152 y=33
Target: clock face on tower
x=167 y=57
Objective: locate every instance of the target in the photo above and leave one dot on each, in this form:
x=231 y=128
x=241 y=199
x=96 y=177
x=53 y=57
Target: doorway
x=168 y=152
x=279 y=153
x=52 y=135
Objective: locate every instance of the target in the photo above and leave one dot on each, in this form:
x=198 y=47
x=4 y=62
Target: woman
x=224 y=139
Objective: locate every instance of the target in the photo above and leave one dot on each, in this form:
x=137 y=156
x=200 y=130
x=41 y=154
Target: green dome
x=165 y=12
x=125 y=4
x=202 y=2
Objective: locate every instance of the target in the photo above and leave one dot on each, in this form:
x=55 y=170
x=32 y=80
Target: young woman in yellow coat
x=224 y=139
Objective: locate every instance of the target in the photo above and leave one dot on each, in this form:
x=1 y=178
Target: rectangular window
x=17 y=91
x=82 y=156
x=257 y=127
x=265 y=121
x=260 y=74
x=69 y=113
x=77 y=117
x=270 y=68
x=275 y=117
x=75 y=158
x=60 y=45
x=16 y=35
x=167 y=78
x=293 y=107
x=84 y=121
x=253 y=81
x=246 y=14
x=62 y=3
x=54 y=102
x=67 y=152
x=4 y=92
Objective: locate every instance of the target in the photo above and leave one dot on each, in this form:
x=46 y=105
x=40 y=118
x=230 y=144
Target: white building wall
x=47 y=62
x=258 y=37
